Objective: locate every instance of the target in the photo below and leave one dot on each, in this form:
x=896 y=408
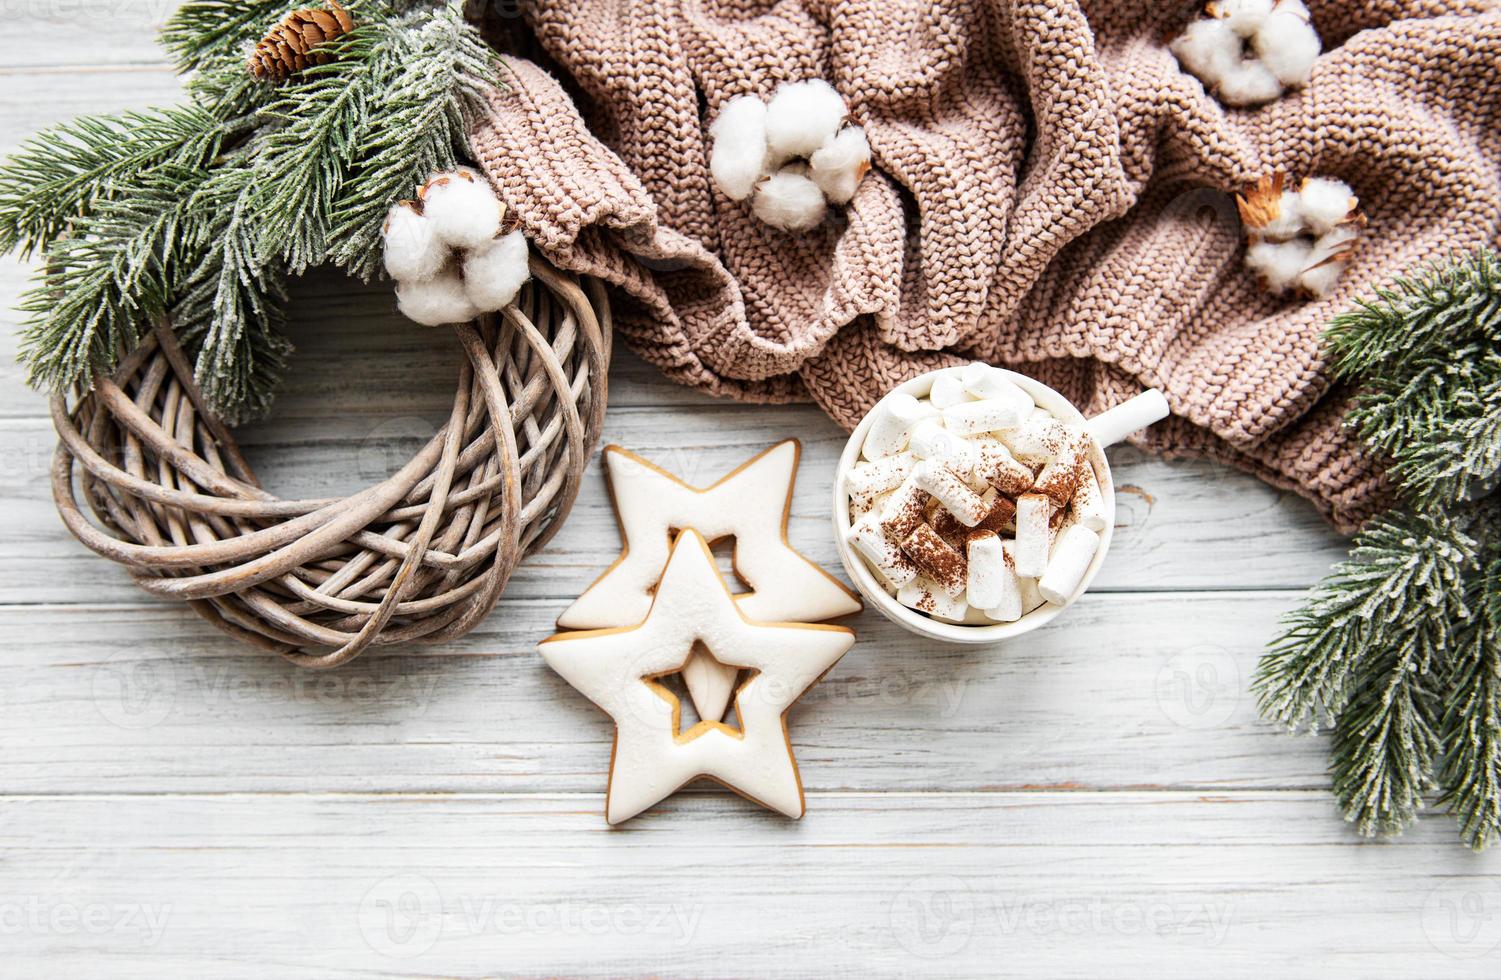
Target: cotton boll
x=1208 y=49
x=739 y=156
x=790 y=201
x=1325 y=202
x=1288 y=45
x=412 y=250
x=1320 y=280
x=1278 y=263
x=1241 y=16
x=436 y=301
x=494 y=274
x=838 y=165
x=802 y=117
x=463 y=209
x=1249 y=83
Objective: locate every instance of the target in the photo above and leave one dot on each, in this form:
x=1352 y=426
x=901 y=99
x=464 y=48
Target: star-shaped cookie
x=751 y=504
x=693 y=612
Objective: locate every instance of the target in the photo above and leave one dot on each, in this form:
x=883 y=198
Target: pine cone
x=291 y=45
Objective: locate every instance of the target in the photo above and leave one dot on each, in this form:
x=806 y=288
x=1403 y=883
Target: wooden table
x=1096 y=799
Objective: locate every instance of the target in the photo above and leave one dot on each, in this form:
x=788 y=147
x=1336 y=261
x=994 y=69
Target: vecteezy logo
x=1199 y=687
x=401 y=916
x=134 y=693
x=1462 y=916
x=933 y=916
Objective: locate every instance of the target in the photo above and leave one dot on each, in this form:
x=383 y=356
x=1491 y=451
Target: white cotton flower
x=463 y=209
x=1287 y=43
x=1249 y=83
x=1319 y=280
x=1325 y=202
x=837 y=166
x=739 y=156
x=435 y=301
x=493 y=275
x=802 y=117
x=1278 y=263
x=1241 y=16
x=789 y=200
x=1208 y=49
x=1289 y=220
x=412 y=250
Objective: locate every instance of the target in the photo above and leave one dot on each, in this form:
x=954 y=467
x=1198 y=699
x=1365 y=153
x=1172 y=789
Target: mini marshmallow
x=983 y=586
x=925 y=595
x=949 y=489
x=1007 y=607
x=983 y=381
x=1325 y=202
x=1031 y=598
x=1088 y=505
x=896 y=416
x=867 y=537
x=1038 y=437
x=1241 y=16
x=871 y=477
x=464 y=211
x=739 y=156
x=802 y=117
x=1033 y=513
x=412 y=249
x=947 y=390
x=1061 y=476
x=904 y=510
x=435 y=301
x=932 y=440
x=1288 y=44
x=1069 y=560
x=947 y=526
x=1000 y=515
x=494 y=274
x=1249 y=83
x=936 y=559
x=838 y=166
x=790 y=201
x=972 y=418
x=995 y=464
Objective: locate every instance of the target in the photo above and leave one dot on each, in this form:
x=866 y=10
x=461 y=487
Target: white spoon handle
x=1110 y=427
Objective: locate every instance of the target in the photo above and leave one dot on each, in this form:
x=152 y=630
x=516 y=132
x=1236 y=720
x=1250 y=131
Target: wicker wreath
x=422 y=555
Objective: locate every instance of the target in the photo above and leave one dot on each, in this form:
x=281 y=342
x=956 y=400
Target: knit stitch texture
x=1050 y=192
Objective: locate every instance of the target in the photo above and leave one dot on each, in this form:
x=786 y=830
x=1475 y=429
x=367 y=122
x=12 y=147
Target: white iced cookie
x=693 y=612
x=750 y=504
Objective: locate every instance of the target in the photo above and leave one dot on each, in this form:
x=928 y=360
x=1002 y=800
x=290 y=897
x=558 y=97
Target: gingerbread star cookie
x=693 y=614
x=750 y=504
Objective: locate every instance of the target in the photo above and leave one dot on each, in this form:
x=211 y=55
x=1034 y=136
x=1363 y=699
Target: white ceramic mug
x=1105 y=429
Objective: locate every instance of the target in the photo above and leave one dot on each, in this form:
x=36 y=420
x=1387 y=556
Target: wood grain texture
x=1096 y=799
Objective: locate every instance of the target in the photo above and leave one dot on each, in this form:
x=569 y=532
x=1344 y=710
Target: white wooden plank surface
x=1098 y=799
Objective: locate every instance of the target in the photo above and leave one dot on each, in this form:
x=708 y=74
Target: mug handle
x=1113 y=425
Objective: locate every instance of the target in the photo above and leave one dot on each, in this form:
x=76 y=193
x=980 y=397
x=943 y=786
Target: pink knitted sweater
x=1050 y=192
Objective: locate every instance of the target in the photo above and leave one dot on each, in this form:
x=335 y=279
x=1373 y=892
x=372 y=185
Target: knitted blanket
x=1050 y=192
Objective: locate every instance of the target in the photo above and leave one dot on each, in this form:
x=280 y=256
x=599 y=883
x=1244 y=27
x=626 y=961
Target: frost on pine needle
x=739 y=156
x=1299 y=239
x=789 y=200
x=493 y=275
x=792 y=157
x=1249 y=52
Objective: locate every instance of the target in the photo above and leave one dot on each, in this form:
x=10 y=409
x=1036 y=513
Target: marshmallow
x=932 y=440
x=996 y=466
x=1038 y=436
x=1000 y=514
x=949 y=489
x=896 y=416
x=1007 y=607
x=947 y=390
x=1031 y=598
x=924 y=595
x=1071 y=555
x=867 y=537
x=947 y=526
x=972 y=418
x=1033 y=512
x=986 y=568
x=877 y=476
x=904 y=509
x=1088 y=505
x=1061 y=476
x=936 y=559
x=983 y=381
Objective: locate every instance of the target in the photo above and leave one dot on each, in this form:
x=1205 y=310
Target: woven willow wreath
x=422 y=555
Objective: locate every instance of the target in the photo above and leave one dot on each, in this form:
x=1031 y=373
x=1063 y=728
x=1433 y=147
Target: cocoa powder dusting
x=936 y=558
